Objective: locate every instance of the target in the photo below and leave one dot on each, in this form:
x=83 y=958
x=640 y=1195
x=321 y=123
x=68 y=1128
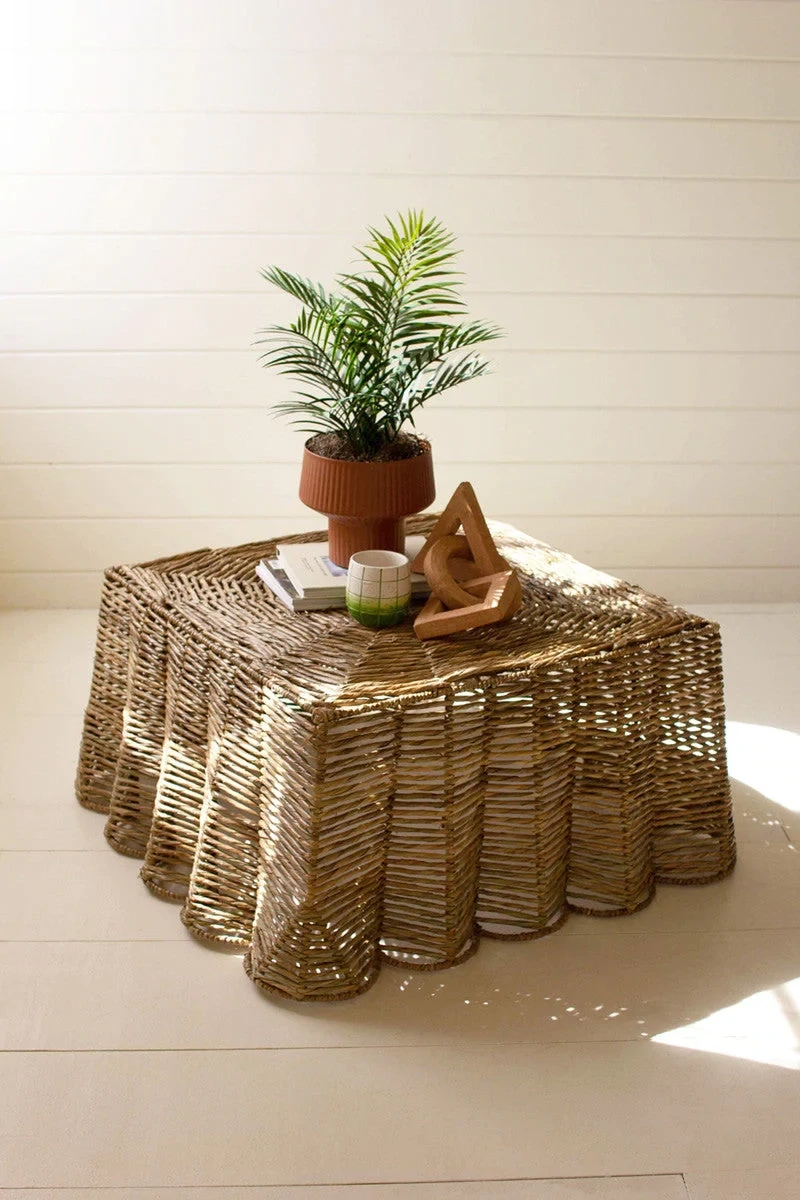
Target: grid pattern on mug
x=377 y=595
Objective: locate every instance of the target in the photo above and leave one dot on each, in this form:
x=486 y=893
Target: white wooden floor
x=656 y=1057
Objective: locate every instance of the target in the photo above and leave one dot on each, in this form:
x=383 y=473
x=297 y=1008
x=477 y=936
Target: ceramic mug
x=378 y=587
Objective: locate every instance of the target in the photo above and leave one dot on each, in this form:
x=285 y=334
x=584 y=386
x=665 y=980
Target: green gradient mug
x=378 y=587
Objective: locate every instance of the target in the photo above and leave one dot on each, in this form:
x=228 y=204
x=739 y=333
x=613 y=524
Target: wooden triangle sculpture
x=471 y=583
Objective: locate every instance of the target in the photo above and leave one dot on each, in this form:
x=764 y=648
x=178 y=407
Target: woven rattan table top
x=326 y=658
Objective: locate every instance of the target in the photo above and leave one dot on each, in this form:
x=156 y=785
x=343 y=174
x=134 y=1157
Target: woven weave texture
x=330 y=798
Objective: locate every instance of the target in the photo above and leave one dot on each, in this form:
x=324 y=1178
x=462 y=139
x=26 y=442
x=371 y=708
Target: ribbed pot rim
x=390 y=462
x=338 y=486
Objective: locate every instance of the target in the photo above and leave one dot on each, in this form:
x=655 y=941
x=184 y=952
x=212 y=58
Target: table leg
x=435 y=832
x=221 y=898
x=529 y=780
x=102 y=723
x=140 y=750
x=693 y=838
x=615 y=730
x=175 y=824
x=322 y=846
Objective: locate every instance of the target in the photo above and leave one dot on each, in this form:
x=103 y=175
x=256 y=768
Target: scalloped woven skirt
x=330 y=799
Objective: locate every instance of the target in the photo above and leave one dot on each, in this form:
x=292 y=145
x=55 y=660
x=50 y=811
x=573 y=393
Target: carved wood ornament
x=471 y=583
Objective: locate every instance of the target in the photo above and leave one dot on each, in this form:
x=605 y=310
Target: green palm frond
x=382 y=345
x=311 y=294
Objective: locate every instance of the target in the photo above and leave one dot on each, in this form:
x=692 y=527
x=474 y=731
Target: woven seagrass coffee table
x=330 y=798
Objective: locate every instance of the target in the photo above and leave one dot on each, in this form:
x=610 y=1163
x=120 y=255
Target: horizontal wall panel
x=160 y=435
x=40 y=263
x=668 y=542
x=406 y=145
x=679 y=584
x=245 y=490
x=256 y=204
x=423 y=83
x=197 y=378
x=230 y=322
x=702 y=28
x=42 y=589
x=86 y=545
x=499 y=435
x=689 y=587
x=663 y=542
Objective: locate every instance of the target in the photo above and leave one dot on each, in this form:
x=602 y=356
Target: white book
x=313 y=574
x=311 y=570
x=281 y=586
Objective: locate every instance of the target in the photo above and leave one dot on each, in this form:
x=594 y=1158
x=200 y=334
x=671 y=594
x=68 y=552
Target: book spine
x=293 y=578
x=266 y=576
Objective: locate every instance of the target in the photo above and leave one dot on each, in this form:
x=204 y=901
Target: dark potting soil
x=333 y=445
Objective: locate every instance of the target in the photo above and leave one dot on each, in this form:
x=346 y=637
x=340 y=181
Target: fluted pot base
x=349 y=535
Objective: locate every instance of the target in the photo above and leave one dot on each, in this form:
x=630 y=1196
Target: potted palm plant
x=368 y=356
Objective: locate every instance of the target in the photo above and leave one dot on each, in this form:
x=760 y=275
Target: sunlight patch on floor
x=766 y=759
x=763 y=1028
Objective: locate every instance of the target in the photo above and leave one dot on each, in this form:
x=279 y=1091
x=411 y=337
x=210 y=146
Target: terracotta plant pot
x=366 y=503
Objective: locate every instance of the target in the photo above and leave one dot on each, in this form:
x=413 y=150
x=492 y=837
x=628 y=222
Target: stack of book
x=303 y=577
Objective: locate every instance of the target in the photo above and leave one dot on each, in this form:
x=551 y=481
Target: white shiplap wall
x=624 y=178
